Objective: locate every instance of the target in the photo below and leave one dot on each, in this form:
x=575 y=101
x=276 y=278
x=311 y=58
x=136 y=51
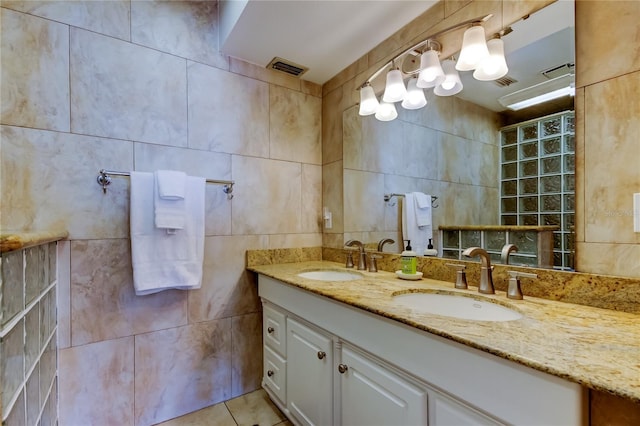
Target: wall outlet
x=328 y=218
x=636 y=212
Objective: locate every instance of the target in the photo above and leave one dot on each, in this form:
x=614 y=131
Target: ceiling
x=324 y=35
x=539 y=43
x=328 y=35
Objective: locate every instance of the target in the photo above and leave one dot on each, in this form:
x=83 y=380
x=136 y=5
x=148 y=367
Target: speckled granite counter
x=10 y=241
x=597 y=348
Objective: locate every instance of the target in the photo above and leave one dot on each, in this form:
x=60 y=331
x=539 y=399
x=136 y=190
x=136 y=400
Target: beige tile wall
x=608 y=169
x=140 y=86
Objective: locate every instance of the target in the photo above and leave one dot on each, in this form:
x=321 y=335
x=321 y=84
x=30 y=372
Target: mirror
x=451 y=148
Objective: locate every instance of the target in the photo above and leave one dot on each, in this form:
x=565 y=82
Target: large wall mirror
x=453 y=148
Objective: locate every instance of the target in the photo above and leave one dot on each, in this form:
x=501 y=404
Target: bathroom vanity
x=340 y=352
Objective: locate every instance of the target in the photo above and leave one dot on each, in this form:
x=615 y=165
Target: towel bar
x=388 y=197
x=104 y=180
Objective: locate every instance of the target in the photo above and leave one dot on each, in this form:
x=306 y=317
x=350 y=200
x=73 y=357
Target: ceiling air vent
x=559 y=70
x=288 y=67
x=505 y=81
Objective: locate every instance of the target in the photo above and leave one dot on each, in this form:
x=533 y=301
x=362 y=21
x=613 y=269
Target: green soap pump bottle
x=408 y=260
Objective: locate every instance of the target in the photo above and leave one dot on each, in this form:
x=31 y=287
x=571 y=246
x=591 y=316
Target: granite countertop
x=598 y=348
x=10 y=241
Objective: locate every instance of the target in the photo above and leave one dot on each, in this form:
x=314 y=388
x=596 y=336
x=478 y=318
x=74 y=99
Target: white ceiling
x=329 y=35
x=324 y=35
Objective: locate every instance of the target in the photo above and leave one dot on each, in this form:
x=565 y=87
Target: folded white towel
x=160 y=260
x=169 y=204
x=422 y=209
x=171 y=184
x=419 y=236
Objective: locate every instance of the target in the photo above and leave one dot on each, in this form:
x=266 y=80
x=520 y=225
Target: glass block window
x=537 y=178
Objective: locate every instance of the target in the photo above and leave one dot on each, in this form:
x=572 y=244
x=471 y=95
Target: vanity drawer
x=274 y=332
x=274 y=374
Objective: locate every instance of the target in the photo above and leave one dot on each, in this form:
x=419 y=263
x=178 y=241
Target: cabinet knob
x=342 y=368
x=322 y=354
x=270 y=330
x=270 y=373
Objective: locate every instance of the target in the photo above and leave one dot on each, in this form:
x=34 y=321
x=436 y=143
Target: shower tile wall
x=141 y=85
x=28 y=336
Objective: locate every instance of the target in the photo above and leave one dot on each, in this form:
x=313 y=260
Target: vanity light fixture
x=368 y=102
x=431 y=73
x=494 y=66
x=394 y=91
x=443 y=77
x=474 y=49
x=415 y=98
x=386 y=111
x=451 y=84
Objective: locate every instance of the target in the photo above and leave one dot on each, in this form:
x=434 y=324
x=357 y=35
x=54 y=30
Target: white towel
x=169 y=204
x=419 y=236
x=422 y=209
x=160 y=260
x=172 y=184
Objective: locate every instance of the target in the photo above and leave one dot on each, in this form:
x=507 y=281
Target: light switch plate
x=636 y=212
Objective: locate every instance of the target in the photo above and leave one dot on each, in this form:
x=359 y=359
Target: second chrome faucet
x=362 y=258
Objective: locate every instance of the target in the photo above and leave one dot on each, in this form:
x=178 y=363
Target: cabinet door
x=309 y=374
x=445 y=411
x=371 y=394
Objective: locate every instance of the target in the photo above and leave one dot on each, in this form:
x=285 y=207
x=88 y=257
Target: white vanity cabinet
x=333 y=364
x=368 y=392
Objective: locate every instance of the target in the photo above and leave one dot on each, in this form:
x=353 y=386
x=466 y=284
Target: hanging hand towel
x=169 y=203
x=171 y=184
x=422 y=209
x=160 y=260
x=419 y=237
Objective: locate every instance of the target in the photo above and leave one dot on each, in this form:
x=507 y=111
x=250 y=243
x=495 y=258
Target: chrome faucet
x=362 y=259
x=383 y=242
x=486 y=280
x=506 y=251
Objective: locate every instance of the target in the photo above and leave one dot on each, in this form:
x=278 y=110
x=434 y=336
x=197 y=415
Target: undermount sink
x=456 y=306
x=330 y=275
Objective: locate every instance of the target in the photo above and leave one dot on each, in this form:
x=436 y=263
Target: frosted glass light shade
x=386 y=111
x=394 y=91
x=431 y=73
x=368 y=101
x=474 y=49
x=451 y=84
x=495 y=65
x=415 y=96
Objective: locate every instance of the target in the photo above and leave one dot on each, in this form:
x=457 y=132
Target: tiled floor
x=252 y=409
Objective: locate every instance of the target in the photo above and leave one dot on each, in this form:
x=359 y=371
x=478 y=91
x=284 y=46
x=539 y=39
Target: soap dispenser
x=430 y=251
x=408 y=260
